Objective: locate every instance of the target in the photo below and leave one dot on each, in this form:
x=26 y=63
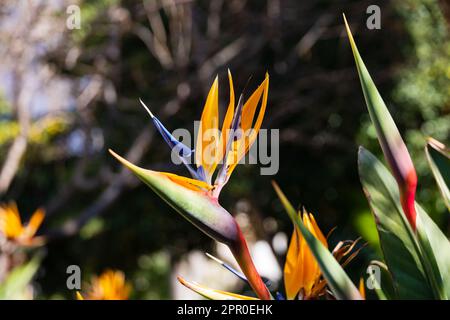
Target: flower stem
x=242 y=255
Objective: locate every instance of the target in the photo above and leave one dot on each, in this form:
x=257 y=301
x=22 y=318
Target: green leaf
x=15 y=284
x=394 y=149
x=415 y=275
x=436 y=248
x=338 y=281
x=384 y=287
x=438 y=157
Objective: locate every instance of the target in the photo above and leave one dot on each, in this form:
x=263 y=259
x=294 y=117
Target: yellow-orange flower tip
x=13 y=230
x=362 y=289
x=181 y=280
x=125 y=162
x=188 y=183
x=128 y=164
x=110 y=285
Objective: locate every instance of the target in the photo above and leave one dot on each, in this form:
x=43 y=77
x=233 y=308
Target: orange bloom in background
x=362 y=288
x=302 y=275
x=12 y=229
x=110 y=285
x=301 y=270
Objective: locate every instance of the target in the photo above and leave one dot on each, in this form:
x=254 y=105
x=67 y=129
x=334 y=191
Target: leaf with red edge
x=391 y=142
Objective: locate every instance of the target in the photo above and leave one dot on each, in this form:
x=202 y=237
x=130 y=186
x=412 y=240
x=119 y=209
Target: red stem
x=407 y=197
x=242 y=255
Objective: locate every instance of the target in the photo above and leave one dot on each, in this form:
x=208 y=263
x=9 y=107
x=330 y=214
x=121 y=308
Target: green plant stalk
x=391 y=142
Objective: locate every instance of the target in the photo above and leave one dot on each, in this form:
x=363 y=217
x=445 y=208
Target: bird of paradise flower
x=226 y=147
x=14 y=231
x=196 y=198
x=110 y=285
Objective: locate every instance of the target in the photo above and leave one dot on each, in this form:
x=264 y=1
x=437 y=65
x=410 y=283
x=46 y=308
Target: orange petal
x=301 y=268
x=310 y=265
x=10 y=222
x=249 y=134
x=34 y=223
x=362 y=289
x=302 y=265
x=249 y=109
x=110 y=285
x=225 y=134
x=207 y=139
x=189 y=183
x=291 y=267
x=317 y=232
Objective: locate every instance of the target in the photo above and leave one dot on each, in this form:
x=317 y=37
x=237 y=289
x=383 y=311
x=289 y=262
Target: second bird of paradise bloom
x=217 y=154
x=13 y=230
x=110 y=285
x=302 y=276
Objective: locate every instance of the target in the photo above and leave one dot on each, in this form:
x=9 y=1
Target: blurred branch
x=89 y=93
x=111 y=192
x=313 y=34
x=159 y=50
x=115 y=184
x=19 y=146
x=222 y=57
x=181 y=32
x=12 y=161
x=21 y=98
x=79 y=181
x=213 y=27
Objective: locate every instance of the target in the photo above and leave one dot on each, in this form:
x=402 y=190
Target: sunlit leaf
x=391 y=142
x=15 y=284
x=436 y=248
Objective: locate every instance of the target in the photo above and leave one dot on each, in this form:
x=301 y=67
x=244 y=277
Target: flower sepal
x=189 y=198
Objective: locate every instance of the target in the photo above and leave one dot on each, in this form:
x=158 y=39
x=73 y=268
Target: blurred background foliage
x=66 y=96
